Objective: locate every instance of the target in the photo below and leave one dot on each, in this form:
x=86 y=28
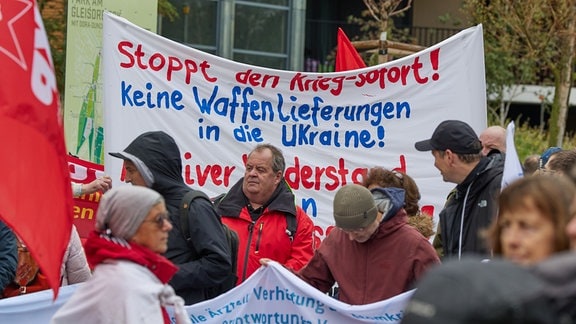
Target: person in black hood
x=153 y=160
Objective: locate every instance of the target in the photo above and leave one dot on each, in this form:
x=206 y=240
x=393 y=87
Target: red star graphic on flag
x=10 y=12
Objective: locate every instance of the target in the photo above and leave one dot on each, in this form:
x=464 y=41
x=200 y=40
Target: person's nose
x=252 y=173
x=167 y=225
x=511 y=238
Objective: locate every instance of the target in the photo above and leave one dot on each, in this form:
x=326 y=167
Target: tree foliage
x=528 y=42
x=55 y=25
x=376 y=19
x=167 y=9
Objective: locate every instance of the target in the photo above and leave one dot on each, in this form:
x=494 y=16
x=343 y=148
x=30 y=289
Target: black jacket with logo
x=475 y=199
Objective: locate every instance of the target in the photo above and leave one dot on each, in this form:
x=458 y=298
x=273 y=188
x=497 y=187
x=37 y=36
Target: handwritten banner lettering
x=271 y=295
x=331 y=127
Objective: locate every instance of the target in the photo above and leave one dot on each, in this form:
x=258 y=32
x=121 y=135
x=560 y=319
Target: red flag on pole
x=35 y=193
x=347 y=58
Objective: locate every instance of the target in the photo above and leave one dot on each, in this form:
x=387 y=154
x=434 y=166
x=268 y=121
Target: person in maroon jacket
x=372 y=253
x=260 y=207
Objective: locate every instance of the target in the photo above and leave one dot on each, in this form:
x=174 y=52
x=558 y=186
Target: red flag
x=347 y=58
x=35 y=193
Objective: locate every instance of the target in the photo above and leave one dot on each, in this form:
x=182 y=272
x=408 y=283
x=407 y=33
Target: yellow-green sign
x=83 y=124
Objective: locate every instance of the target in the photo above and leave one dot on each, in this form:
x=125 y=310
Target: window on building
x=261 y=29
x=260 y=35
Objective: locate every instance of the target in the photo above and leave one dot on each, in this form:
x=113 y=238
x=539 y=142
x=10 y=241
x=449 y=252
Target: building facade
x=267 y=33
x=293 y=34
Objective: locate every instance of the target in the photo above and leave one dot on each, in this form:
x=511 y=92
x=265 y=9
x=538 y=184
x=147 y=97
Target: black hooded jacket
x=475 y=199
x=210 y=263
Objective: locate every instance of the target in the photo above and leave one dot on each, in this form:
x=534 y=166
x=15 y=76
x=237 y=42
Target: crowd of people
x=524 y=231
x=513 y=262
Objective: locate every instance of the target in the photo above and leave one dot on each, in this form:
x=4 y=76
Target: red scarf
x=99 y=249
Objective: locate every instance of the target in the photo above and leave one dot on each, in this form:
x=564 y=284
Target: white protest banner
x=271 y=295
x=331 y=127
x=512 y=166
x=37 y=308
x=275 y=295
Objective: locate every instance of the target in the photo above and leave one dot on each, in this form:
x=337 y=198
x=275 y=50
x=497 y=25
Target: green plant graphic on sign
x=86 y=120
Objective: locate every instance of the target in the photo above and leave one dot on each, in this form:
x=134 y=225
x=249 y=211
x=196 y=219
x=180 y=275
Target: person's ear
x=278 y=177
x=449 y=155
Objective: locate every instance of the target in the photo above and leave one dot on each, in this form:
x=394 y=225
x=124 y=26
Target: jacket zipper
x=258 y=239
x=247 y=253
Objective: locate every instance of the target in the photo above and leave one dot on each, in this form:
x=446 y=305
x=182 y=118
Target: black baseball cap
x=454 y=135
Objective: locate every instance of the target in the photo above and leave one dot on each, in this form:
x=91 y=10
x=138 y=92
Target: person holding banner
x=372 y=253
x=260 y=207
x=130 y=278
x=472 y=205
x=153 y=160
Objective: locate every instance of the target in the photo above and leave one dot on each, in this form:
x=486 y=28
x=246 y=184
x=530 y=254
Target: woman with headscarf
x=129 y=283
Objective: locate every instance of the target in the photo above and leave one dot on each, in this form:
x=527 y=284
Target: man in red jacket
x=260 y=207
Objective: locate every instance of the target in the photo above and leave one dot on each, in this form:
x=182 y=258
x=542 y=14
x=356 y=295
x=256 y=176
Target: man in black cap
x=472 y=205
x=153 y=160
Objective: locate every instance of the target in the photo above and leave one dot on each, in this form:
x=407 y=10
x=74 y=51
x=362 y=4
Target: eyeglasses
x=159 y=220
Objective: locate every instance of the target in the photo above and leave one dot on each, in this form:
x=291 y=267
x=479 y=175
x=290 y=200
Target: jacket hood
x=160 y=154
x=422 y=223
x=395 y=197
